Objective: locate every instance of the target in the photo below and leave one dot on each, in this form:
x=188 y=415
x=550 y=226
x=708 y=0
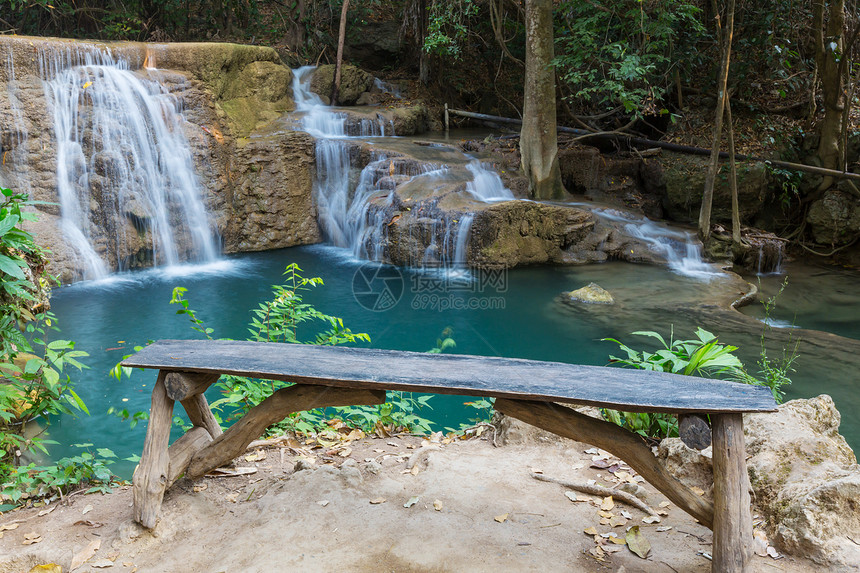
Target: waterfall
x=125 y=175
x=682 y=252
x=486 y=185
x=356 y=216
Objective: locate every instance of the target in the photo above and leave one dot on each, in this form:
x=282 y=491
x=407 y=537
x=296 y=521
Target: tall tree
x=711 y=177
x=831 y=55
x=341 y=37
x=538 y=138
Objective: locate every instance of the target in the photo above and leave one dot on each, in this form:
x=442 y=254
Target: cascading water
x=682 y=253
x=124 y=168
x=486 y=185
x=348 y=217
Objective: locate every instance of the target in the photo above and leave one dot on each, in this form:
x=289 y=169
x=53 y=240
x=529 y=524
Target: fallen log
x=689 y=149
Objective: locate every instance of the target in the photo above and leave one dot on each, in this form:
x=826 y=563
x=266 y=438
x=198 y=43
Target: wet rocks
x=592 y=293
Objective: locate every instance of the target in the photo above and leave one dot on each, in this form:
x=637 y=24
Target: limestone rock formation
x=684 y=179
x=805 y=479
x=835 y=218
x=592 y=293
x=353 y=82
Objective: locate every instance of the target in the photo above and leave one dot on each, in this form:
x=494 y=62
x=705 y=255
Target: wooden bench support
x=181 y=451
x=626 y=445
x=273 y=409
x=150 y=477
x=182 y=385
x=201 y=416
x=733 y=530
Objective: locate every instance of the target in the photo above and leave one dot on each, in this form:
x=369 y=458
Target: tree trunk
x=538 y=140
x=341 y=35
x=829 y=46
x=736 y=215
x=710 y=178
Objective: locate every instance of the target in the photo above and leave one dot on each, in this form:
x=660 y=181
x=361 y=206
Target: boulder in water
x=353 y=82
x=590 y=294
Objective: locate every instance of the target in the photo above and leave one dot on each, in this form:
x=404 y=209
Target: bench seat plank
x=512 y=378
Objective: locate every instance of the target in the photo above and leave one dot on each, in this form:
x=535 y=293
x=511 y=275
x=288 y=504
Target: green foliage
x=287 y=318
x=624 y=52
x=448 y=26
x=33 y=386
x=701 y=356
x=32 y=481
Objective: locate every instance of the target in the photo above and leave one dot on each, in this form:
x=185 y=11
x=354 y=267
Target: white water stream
x=124 y=167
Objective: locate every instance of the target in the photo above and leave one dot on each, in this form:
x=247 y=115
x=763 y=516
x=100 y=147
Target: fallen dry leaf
x=257 y=456
x=618 y=540
x=608 y=503
x=606 y=514
x=618 y=521
x=46 y=568
x=199 y=488
x=101 y=563
x=45 y=512
x=598 y=553
x=9 y=526
x=323 y=502
x=604 y=521
x=412 y=501
x=345 y=452
x=651 y=519
x=231 y=472
x=637 y=543
x=663 y=528
x=590 y=530
x=501 y=518
x=377 y=501
x=571 y=495
x=759 y=542
x=87 y=508
x=697 y=490
x=85 y=554
x=665 y=504
x=773 y=553
x=31 y=538
x=437 y=505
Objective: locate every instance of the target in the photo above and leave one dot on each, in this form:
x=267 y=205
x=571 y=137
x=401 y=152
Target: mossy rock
x=353 y=82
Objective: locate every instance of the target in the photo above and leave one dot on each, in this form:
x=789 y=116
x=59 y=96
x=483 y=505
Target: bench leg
x=150 y=477
x=200 y=415
x=733 y=530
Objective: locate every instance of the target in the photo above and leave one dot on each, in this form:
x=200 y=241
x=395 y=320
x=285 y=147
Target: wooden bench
x=524 y=389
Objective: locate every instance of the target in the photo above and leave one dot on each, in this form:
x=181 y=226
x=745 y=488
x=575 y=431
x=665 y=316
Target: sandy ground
x=478 y=509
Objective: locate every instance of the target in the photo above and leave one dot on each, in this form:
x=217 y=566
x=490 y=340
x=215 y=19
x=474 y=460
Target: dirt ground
x=473 y=507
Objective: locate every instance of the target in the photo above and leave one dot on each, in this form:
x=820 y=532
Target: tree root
x=599 y=490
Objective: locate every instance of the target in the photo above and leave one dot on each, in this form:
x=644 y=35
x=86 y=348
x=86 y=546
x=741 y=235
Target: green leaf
x=12 y=267
x=8 y=223
x=80 y=403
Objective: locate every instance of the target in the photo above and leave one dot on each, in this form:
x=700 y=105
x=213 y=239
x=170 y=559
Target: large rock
x=684 y=178
x=806 y=480
x=271 y=204
x=804 y=476
x=353 y=82
x=835 y=218
x=592 y=293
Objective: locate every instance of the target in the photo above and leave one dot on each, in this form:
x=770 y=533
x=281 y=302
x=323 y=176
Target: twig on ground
x=595 y=489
